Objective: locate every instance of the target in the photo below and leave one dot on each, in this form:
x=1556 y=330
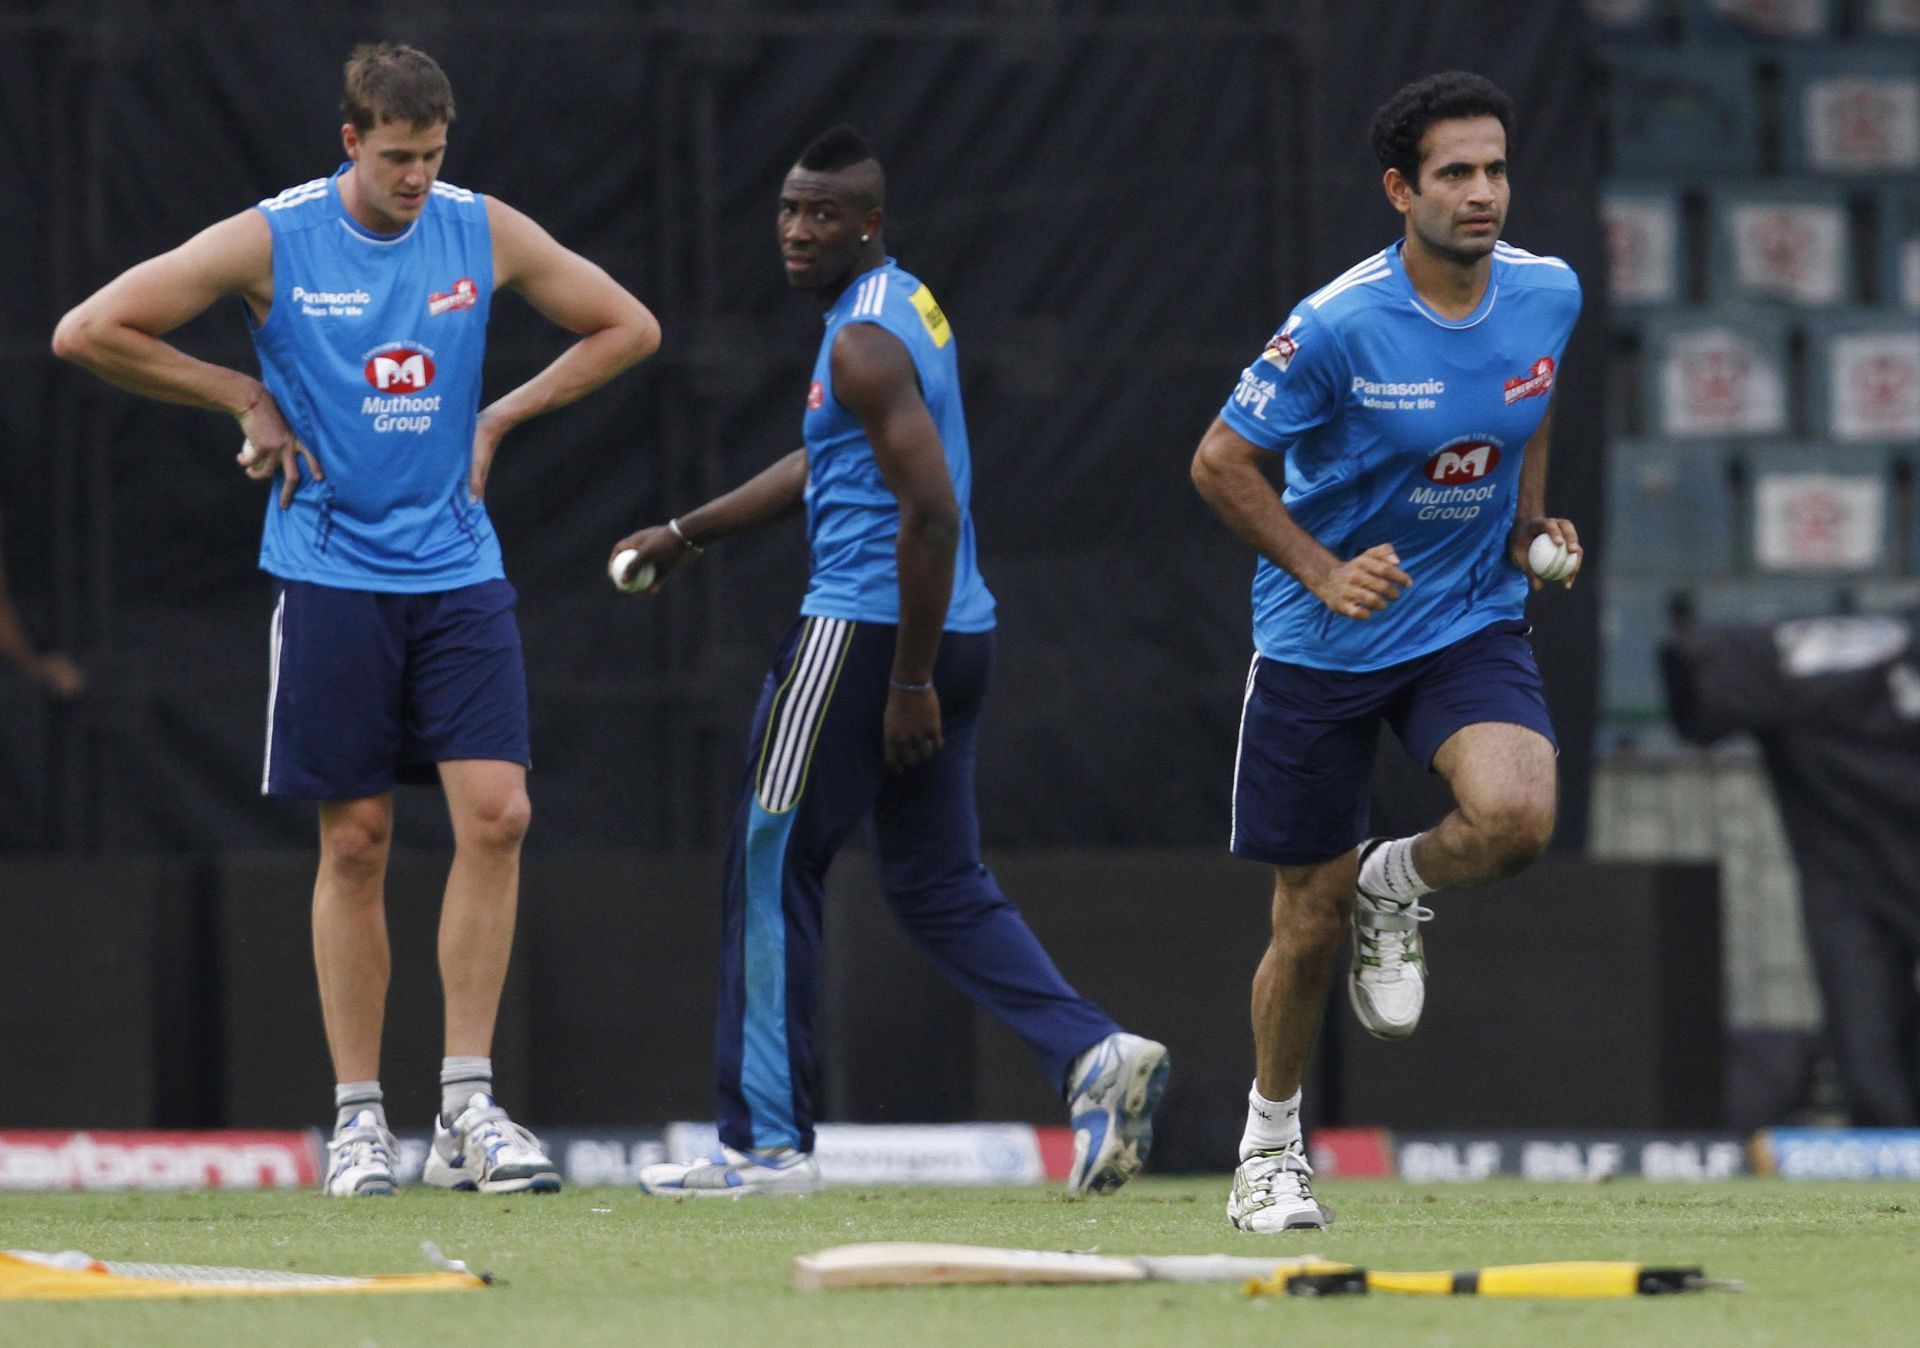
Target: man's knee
x=354 y=840
x=1514 y=833
x=499 y=820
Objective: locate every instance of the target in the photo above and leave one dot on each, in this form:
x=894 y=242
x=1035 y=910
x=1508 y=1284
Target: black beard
x=1460 y=257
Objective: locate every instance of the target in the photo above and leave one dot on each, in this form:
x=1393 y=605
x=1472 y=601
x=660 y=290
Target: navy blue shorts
x=1303 y=777
x=372 y=689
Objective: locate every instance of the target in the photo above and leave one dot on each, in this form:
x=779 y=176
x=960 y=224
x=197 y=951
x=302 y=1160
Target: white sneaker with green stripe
x=1388 y=981
x=1273 y=1191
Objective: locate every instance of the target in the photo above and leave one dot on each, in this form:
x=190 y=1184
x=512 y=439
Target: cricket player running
x=394 y=645
x=872 y=710
x=1410 y=397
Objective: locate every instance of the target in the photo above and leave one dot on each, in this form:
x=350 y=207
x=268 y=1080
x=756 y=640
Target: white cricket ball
x=1550 y=560
x=626 y=575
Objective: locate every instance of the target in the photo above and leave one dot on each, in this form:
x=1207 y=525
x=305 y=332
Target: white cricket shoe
x=1113 y=1089
x=727 y=1173
x=483 y=1149
x=360 y=1158
x=1388 y=981
x=1273 y=1191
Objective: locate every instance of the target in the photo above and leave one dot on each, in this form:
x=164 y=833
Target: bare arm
x=616 y=330
x=60 y=675
x=1226 y=472
x=116 y=333
x=772 y=494
x=1530 y=516
x=874 y=376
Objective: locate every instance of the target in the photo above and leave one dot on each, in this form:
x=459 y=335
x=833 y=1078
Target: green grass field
x=1824 y=1264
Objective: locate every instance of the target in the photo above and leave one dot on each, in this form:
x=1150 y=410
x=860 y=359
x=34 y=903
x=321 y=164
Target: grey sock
x=460 y=1080
x=350 y=1097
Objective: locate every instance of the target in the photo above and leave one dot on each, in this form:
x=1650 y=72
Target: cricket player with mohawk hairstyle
x=395 y=651
x=1410 y=398
x=872 y=711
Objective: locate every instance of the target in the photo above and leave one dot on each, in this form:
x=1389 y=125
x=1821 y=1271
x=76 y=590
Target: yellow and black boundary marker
x=29 y=1275
x=1571 y=1279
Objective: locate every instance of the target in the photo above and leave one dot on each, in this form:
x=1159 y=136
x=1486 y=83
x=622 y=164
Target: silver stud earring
x=865 y=237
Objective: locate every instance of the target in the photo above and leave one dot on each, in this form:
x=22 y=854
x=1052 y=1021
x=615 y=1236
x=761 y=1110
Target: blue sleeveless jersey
x=1403 y=427
x=373 y=351
x=853 y=519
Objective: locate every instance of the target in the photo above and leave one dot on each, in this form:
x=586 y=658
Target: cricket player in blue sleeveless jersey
x=1410 y=398
x=395 y=653
x=871 y=712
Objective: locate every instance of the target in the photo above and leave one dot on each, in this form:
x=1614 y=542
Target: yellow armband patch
x=923 y=300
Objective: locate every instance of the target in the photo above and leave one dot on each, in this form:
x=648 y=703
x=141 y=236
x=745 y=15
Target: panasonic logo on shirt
x=1426 y=387
x=302 y=295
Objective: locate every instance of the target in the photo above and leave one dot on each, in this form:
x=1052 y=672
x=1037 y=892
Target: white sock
x=1271 y=1125
x=350 y=1097
x=1388 y=873
x=460 y=1080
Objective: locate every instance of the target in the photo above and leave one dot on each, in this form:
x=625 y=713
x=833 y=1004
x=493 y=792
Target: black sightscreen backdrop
x=1116 y=204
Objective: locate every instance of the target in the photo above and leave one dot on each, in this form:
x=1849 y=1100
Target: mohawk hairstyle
x=1403 y=119
x=834 y=149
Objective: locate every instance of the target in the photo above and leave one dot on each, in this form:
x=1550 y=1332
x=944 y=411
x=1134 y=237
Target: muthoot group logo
x=1459 y=463
x=400 y=369
x=1460 y=471
x=401 y=374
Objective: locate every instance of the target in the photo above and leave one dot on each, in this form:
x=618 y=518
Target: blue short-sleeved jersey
x=853 y=519
x=1403 y=427
x=373 y=350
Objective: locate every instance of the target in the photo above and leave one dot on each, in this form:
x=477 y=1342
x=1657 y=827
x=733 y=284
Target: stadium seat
x=1883 y=594
x=1762 y=20
x=1635 y=615
x=1780 y=241
x=1897 y=283
x=1646 y=257
x=1769 y=599
x=1863 y=376
x=1670 y=512
x=1625 y=18
x=1852 y=110
x=1682 y=110
x=1715 y=372
x=1888 y=18
x=1815 y=508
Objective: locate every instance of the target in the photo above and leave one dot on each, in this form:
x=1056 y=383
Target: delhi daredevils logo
x=1462 y=463
x=400 y=370
x=816 y=396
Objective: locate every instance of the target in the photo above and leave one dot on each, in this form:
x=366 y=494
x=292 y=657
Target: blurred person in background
x=50 y=669
x=1835 y=705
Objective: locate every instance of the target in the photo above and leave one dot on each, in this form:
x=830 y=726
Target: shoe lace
x=363 y=1144
x=490 y=1125
x=1392 y=950
x=1275 y=1175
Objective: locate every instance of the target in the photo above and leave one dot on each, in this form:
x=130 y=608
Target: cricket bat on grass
x=925 y=1264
